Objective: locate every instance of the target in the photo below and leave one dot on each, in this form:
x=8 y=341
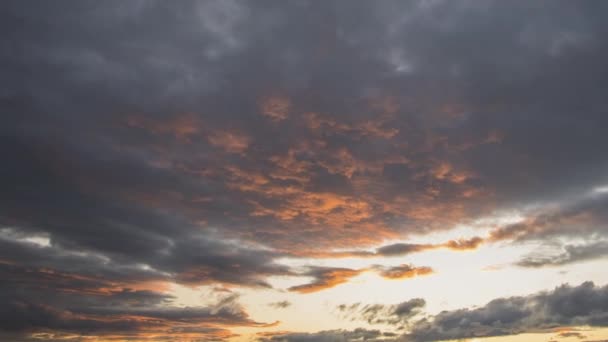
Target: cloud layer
x=148 y=143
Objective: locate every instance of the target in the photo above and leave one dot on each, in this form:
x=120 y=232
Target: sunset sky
x=304 y=171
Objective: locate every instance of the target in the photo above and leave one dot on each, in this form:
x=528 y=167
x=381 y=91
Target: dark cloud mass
x=582 y=305
x=147 y=142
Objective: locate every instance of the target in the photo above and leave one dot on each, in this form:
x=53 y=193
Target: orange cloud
x=325 y=278
x=375 y=128
x=464 y=244
x=288 y=167
x=368 y=128
x=446 y=171
x=313 y=207
x=285 y=187
x=404 y=271
x=231 y=142
x=316 y=122
x=329 y=277
x=341 y=162
x=276 y=108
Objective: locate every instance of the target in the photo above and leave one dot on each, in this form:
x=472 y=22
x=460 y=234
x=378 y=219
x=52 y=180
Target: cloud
x=581 y=215
x=62 y=291
x=402 y=248
x=571 y=253
x=229 y=141
x=329 y=336
x=404 y=271
x=273 y=101
x=329 y=277
x=325 y=278
x=204 y=150
x=276 y=108
x=583 y=305
x=399 y=314
x=567 y=334
x=184 y=262
x=42 y=301
x=561 y=310
x=464 y=244
x=280 y=305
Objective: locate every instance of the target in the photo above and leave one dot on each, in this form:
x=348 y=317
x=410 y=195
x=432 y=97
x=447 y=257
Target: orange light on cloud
x=326 y=279
x=231 y=142
x=276 y=108
x=404 y=271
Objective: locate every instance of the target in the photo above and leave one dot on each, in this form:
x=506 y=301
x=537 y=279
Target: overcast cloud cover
x=150 y=143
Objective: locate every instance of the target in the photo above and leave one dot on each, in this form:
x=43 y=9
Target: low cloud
x=580 y=216
x=399 y=314
x=329 y=277
x=583 y=305
x=325 y=278
x=37 y=307
x=359 y=334
x=402 y=248
x=280 y=305
x=570 y=254
x=403 y=271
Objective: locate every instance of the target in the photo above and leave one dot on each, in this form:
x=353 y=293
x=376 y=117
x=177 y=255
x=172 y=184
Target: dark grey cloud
x=194 y=261
x=399 y=314
x=583 y=216
x=401 y=249
x=280 y=305
x=583 y=305
x=43 y=300
x=567 y=254
x=83 y=293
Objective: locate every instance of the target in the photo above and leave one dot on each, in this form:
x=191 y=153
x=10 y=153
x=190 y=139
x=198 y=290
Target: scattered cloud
x=280 y=305
x=325 y=278
x=403 y=271
x=399 y=314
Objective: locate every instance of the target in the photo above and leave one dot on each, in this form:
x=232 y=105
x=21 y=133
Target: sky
x=304 y=171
